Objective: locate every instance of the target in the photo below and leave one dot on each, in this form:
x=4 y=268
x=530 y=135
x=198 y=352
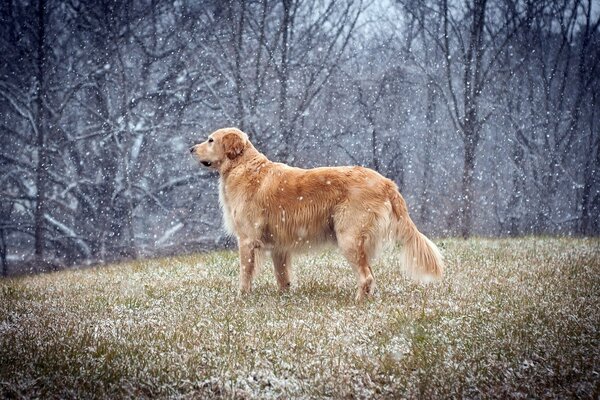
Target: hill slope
x=511 y=318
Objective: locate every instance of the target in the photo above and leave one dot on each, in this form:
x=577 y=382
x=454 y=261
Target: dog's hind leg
x=281 y=264
x=357 y=252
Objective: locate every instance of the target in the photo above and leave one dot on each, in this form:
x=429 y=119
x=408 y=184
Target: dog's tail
x=421 y=257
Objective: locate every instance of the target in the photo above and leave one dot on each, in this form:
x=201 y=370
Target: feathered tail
x=421 y=257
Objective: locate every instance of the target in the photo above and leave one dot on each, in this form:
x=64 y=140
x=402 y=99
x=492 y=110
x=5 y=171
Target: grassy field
x=512 y=318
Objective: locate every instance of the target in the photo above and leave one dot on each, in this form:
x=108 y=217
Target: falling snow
x=485 y=114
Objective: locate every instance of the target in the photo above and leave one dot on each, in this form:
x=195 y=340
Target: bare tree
x=33 y=104
x=467 y=119
x=40 y=129
x=472 y=45
x=547 y=90
x=285 y=50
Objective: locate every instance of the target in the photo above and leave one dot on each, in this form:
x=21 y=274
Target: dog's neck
x=248 y=159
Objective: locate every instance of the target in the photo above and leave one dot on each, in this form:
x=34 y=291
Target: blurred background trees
x=484 y=112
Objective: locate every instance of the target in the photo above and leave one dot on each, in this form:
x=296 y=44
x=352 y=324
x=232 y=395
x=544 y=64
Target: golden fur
x=273 y=207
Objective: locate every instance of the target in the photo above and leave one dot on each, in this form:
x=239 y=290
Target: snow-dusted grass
x=512 y=318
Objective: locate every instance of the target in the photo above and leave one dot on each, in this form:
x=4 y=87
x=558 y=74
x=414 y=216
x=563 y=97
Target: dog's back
x=305 y=208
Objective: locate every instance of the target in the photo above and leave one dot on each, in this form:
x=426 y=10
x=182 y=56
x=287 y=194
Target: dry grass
x=512 y=318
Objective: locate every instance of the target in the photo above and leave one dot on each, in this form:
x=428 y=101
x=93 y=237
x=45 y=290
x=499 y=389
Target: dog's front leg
x=248 y=263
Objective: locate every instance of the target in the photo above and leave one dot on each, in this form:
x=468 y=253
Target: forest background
x=485 y=113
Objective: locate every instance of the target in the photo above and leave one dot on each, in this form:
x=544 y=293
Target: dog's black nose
x=192 y=149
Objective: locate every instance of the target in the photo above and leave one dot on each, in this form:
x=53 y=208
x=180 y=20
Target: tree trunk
x=367 y=110
x=429 y=142
x=471 y=124
x=283 y=88
x=40 y=122
x=588 y=223
x=374 y=152
x=3 y=252
x=467 y=187
x=121 y=238
x=128 y=229
x=519 y=187
x=589 y=200
x=239 y=83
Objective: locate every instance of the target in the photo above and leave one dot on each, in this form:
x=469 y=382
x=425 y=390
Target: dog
x=270 y=206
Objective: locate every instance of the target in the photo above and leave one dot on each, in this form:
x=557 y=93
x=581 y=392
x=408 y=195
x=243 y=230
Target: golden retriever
x=271 y=206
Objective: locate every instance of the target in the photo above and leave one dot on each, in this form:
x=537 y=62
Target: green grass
x=512 y=318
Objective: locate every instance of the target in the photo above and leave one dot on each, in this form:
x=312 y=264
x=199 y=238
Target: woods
x=485 y=113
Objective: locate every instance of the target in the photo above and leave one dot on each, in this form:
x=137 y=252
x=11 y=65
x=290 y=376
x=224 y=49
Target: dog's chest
x=224 y=202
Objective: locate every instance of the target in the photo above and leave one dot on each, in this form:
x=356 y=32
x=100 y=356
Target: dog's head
x=222 y=147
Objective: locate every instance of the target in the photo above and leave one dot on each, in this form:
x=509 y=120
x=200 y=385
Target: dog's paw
x=366 y=290
x=244 y=290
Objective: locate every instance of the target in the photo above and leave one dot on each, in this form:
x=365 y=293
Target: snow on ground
x=512 y=318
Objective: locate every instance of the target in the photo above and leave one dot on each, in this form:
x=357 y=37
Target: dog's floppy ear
x=233 y=145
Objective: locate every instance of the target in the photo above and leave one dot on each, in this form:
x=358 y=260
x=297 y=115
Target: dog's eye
x=210 y=140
